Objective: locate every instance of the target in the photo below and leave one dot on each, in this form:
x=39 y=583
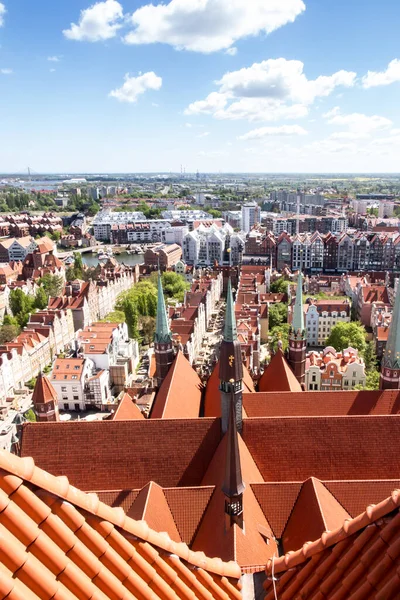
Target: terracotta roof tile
x=330 y=448
x=179 y=396
x=288 y=404
x=187 y=506
x=276 y=501
x=44 y=391
x=101 y=454
x=356 y=495
x=278 y=376
x=314 y=512
x=127 y=410
x=360 y=559
x=73 y=546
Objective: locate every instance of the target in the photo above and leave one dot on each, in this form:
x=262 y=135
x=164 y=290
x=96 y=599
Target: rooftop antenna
x=29 y=174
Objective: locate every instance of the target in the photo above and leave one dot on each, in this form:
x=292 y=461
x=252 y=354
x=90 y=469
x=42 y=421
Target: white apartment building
x=184 y=215
x=251 y=215
x=106 y=218
x=321 y=316
x=78 y=385
x=205 y=245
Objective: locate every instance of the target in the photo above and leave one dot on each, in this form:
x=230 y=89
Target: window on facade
x=63 y=389
x=74 y=377
x=66 y=406
x=353 y=382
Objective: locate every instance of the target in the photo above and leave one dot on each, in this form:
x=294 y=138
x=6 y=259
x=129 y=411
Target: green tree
x=131 y=317
x=280 y=332
x=8 y=333
x=174 y=285
x=370 y=359
x=148 y=327
x=116 y=316
x=21 y=306
x=144 y=295
x=9 y=320
x=279 y=286
x=371 y=383
x=41 y=299
x=277 y=314
x=344 y=335
x=78 y=265
x=52 y=285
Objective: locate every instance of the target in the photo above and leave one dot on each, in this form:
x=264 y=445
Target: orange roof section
x=278 y=376
x=212 y=397
x=358 y=560
x=127 y=410
x=179 y=396
x=58 y=542
x=316 y=510
x=44 y=391
x=67 y=369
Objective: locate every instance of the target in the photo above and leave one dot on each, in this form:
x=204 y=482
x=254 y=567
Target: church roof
x=179 y=396
x=127 y=410
x=58 y=542
x=230 y=333
x=391 y=357
x=278 y=376
x=359 y=559
x=162 y=332
x=298 y=311
x=44 y=391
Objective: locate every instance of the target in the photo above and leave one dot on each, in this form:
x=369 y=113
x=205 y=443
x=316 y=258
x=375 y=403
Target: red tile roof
x=44 y=391
x=172 y=452
x=316 y=510
x=57 y=542
x=360 y=559
x=304 y=404
x=179 y=396
x=278 y=376
x=127 y=410
x=336 y=448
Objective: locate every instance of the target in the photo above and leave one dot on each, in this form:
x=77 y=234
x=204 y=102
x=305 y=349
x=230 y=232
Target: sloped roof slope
x=127 y=410
x=60 y=543
x=179 y=396
x=212 y=396
x=360 y=559
x=278 y=376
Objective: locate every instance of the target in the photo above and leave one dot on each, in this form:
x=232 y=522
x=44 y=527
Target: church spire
x=230 y=365
x=163 y=348
x=390 y=372
x=298 y=336
x=45 y=399
x=162 y=334
x=233 y=486
x=230 y=332
x=298 y=312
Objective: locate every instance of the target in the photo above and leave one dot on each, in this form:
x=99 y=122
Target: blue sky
x=214 y=85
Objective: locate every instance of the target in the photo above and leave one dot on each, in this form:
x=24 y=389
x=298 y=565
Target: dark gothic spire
x=233 y=485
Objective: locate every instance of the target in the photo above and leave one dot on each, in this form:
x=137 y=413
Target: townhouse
x=331 y=371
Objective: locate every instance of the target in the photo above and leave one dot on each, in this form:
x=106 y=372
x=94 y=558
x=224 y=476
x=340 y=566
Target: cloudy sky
x=214 y=85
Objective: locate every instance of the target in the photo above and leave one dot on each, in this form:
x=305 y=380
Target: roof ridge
x=26 y=469
x=372 y=513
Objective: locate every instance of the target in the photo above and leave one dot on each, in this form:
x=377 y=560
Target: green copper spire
x=391 y=358
x=298 y=312
x=230 y=333
x=162 y=334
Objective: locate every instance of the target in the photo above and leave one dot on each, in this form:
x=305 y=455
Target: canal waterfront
x=91 y=259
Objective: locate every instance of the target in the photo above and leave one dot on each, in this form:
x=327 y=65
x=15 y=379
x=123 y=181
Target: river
x=128 y=259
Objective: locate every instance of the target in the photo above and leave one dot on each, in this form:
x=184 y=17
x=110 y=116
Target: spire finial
x=230 y=333
x=162 y=334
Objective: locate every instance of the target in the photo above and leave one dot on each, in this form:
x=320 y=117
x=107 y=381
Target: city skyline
x=263 y=88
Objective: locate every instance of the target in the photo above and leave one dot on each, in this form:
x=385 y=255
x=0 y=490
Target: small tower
x=163 y=348
x=390 y=369
x=230 y=366
x=45 y=400
x=233 y=486
x=297 y=336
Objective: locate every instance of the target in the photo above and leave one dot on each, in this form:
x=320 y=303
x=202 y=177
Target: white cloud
x=100 y=21
x=135 y=86
x=54 y=58
x=155 y=104
x=204 y=134
x=282 y=79
x=209 y=25
x=2 y=13
x=263 y=132
x=390 y=75
x=331 y=113
x=359 y=125
x=52 y=70
x=268 y=91
x=213 y=102
x=6 y=71
x=231 y=51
